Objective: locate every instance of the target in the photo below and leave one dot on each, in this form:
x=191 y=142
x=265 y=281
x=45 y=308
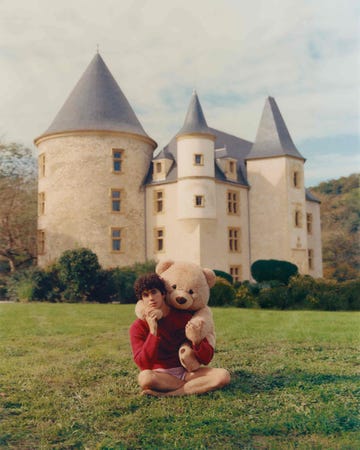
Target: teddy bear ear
x=163 y=265
x=210 y=277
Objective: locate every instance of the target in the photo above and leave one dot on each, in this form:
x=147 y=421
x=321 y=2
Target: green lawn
x=67 y=381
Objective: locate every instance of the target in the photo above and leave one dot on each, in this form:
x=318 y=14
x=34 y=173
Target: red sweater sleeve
x=204 y=352
x=144 y=345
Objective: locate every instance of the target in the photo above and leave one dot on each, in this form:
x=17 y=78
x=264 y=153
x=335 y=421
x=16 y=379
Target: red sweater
x=152 y=352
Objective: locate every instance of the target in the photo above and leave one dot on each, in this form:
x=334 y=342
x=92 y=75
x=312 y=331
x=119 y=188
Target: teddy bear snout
x=181 y=300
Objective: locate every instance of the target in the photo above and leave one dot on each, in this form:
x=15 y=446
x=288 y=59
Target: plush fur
x=188 y=288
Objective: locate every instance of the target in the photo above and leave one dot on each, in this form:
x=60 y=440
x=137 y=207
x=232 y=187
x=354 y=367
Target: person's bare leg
x=205 y=379
x=150 y=380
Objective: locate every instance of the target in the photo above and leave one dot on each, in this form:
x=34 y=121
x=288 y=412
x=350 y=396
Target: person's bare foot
x=153 y=393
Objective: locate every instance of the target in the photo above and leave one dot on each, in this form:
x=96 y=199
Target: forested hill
x=340 y=218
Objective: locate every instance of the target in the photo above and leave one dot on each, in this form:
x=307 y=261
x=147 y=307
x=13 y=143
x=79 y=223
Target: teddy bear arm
x=203 y=325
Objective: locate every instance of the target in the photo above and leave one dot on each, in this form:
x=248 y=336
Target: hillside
x=340 y=217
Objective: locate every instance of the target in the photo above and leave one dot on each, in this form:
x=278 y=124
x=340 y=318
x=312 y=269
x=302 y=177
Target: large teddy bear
x=188 y=288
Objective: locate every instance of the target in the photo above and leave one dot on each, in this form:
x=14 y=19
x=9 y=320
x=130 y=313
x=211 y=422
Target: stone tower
x=275 y=171
x=92 y=163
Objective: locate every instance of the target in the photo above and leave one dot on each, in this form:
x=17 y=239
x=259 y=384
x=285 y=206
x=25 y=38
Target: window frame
x=41 y=241
x=298 y=219
x=119 y=239
x=42 y=165
x=159 y=240
x=159 y=201
x=231 y=202
x=199 y=201
x=113 y=199
x=309 y=223
x=234 y=239
x=41 y=203
x=236 y=272
x=118 y=160
x=311 y=258
x=201 y=159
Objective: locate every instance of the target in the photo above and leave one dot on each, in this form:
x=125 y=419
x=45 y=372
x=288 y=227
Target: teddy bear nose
x=181 y=300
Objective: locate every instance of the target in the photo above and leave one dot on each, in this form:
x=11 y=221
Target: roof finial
x=97 y=48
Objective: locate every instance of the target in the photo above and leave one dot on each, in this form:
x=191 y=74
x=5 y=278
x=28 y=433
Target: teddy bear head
x=188 y=284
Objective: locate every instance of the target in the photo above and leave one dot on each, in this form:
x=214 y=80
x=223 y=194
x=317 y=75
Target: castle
x=207 y=197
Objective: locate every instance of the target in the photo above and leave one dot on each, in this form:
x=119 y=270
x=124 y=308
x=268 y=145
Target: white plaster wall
x=187 y=147
x=201 y=240
x=187 y=189
x=269 y=209
x=314 y=239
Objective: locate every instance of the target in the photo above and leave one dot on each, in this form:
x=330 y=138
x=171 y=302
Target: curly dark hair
x=147 y=282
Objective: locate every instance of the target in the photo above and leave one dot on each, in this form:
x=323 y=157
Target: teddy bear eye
x=191 y=292
x=174 y=286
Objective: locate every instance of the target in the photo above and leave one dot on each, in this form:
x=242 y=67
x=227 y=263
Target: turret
x=93 y=159
x=196 y=165
x=275 y=171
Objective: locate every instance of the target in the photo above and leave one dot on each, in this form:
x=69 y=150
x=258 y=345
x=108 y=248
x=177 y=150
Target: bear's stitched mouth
x=181 y=300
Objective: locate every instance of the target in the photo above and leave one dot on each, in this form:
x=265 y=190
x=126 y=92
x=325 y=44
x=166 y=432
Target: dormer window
x=161 y=168
x=232 y=167
x=198 y=159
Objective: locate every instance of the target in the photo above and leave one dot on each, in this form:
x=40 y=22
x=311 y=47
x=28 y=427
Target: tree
x=17 y=204
x=79 y=272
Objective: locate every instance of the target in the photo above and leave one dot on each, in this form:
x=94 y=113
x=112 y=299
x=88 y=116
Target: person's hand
x=151 y=317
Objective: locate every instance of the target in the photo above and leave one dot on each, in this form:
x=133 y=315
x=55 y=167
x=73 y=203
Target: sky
x=235 y=53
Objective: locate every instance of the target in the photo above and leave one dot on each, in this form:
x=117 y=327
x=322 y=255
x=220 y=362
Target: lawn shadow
x=250 y=383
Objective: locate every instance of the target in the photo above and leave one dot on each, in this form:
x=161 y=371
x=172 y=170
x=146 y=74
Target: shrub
x=244 y=297
x=122 y=280
x=222 y=293
x=78 y=270
x=32 y=284
x=272 y=269
x=276 y=298
x=226 y=276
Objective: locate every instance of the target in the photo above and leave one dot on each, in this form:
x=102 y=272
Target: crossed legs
x=203 y=380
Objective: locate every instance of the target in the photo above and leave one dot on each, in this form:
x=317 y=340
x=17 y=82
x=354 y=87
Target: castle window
x=233 y=202
x=311 y=259
x=235 y=272
x=298 y=219
x=296 y=179
x=199 y=201
x=158 y=167
x=234 y=240
x=118 y=157
x=158 y=201
x=41 y=242
x=116 y=240
x=116 y=200
x=232 y=167
x=41 y=165
x=309 y=223
x=198 y=159
x=159 y=244
x=41 y=203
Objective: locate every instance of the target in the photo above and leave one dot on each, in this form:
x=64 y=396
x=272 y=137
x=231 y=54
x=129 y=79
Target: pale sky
x=305 y=53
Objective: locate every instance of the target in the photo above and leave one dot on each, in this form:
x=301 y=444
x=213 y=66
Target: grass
x=67 y=381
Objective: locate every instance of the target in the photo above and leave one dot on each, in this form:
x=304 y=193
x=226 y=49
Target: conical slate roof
x=96 y=103
x=273 y=138
x=195 y=120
